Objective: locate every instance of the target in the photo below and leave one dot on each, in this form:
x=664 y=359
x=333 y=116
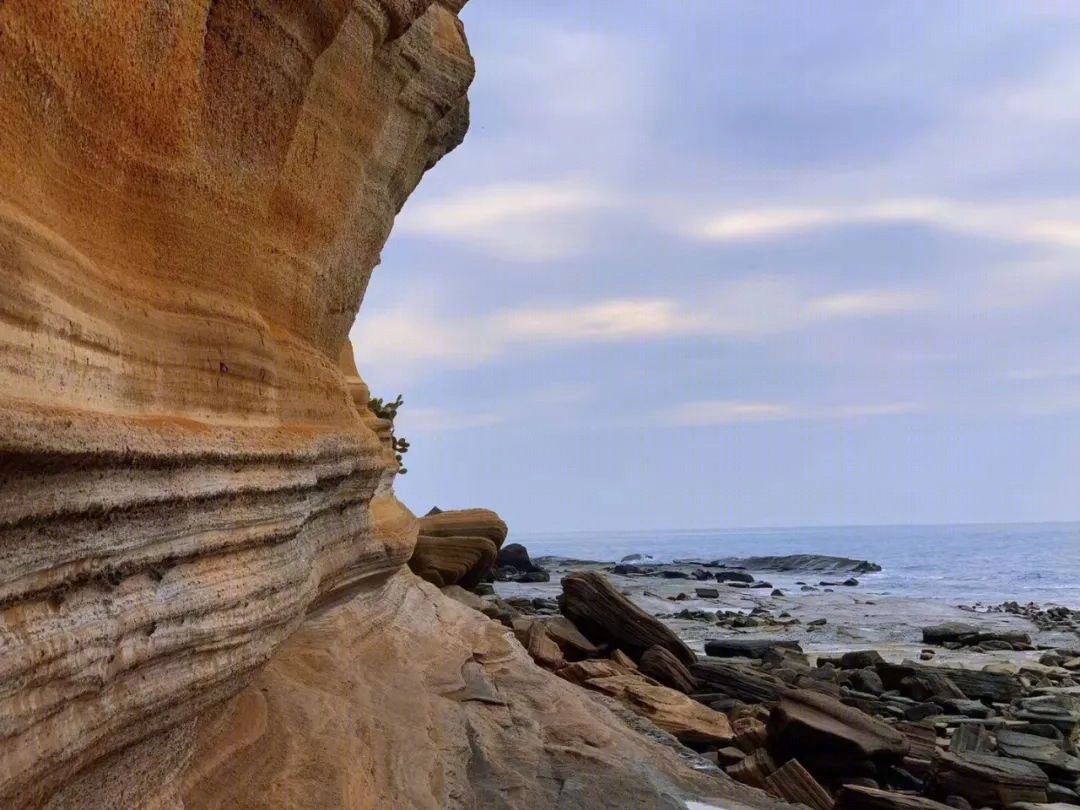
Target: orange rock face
x=193 y=195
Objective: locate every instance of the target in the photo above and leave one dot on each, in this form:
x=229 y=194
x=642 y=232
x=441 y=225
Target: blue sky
x=723 y=263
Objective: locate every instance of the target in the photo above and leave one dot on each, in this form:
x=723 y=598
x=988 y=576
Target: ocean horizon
x=962 y=563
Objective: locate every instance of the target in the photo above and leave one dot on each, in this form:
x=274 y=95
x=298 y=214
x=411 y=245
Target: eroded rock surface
x=192 y=198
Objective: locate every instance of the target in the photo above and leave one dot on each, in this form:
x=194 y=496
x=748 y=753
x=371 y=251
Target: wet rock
x=707 y=593
x=987 y=780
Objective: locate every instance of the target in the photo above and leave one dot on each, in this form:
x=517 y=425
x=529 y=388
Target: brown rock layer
x=192 y=198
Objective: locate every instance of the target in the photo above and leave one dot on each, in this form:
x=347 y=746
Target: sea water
x=959 y=564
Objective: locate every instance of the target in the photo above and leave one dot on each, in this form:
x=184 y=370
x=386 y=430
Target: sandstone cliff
x=193 y=196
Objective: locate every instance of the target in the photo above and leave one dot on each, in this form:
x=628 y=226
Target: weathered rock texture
x=458 y=547
x=192 y=198
x=401 y=698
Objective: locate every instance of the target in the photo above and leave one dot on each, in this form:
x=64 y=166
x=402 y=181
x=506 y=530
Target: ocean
x=958 y=564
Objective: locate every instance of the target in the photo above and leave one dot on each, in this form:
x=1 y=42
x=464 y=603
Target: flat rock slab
x=1046 y=753
x=806 y=721
x=742 y=683
x=987 y=780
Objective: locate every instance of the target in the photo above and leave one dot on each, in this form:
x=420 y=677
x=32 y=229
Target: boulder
x=515 y=555
x=457 y=547
x=808 y=721
x=458 y=560
x=733 y=576
x=602 y=614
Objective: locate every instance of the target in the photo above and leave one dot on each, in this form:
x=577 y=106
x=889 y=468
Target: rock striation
x=458 y=547
x=192 y=198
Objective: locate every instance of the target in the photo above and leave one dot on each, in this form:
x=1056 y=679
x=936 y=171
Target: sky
x=719 y=263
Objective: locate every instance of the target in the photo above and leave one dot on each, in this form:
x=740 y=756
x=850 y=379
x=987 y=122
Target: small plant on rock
x=388 y=411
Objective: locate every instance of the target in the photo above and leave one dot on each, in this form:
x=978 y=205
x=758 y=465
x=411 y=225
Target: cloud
x=707 y=413
x=436 y=420
x=1049 y=223
x=414 y=335
x=518 y=222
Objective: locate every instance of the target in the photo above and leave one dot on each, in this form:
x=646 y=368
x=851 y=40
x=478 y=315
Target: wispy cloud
x=518 y=222
x=726 y=412
x=1052 y=223
x=415 y=335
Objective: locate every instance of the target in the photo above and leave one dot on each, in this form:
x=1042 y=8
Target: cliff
x=201 y=556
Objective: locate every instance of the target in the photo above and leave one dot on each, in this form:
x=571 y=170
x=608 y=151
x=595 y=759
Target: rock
x=852 y=797
x=573 y=644
x=660 y=665
x=363 y=677
x=926 y=655
x=1045 y=753
x=818 y=623
x=753 y=770
x=516 y=556
x=743 y=683
x=807 y=721
x=535 y=639
x=867 y=680
x=860 y=659
x=623 y=660
x=684 y=718
x=627 y=570
x=970 y=739
x=748 y=648
x=457 y=547
x=533 y=576
x=707 y=593
x=632 y=558
x=777 y=592
x=750 y=734
x=987 y=780
x=806 y=562
x=850 y=582
x=670 y=573
x=795 y=784
x=969 y=636
x=951 y=682
x=601 y=612
x=734 y=576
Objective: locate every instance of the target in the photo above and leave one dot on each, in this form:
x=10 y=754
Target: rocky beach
x=804 y=683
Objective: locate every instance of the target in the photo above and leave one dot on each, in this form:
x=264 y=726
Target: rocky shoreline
x=794 y=677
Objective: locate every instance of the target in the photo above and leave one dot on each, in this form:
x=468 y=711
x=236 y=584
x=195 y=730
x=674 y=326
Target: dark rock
x=632 y=558
x=733 y=576
x=516 y=556
x=760 y=585
x=671 y=573
x=946 y=682
x=969 y=636
x=742 y=683
x=626 y=570
x=747 y=648
x=794 y=783
x=818 y=623
x=851 y=582
x=807 y=562
x=806 y=721
x=856 y=797
x=1045 y=753
x=860 y=659
x=987 y=780
x=483 y=589
x=601 y=612
x=533 y=576
x=867 y=680
x=707 y=593
x=777 y=592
